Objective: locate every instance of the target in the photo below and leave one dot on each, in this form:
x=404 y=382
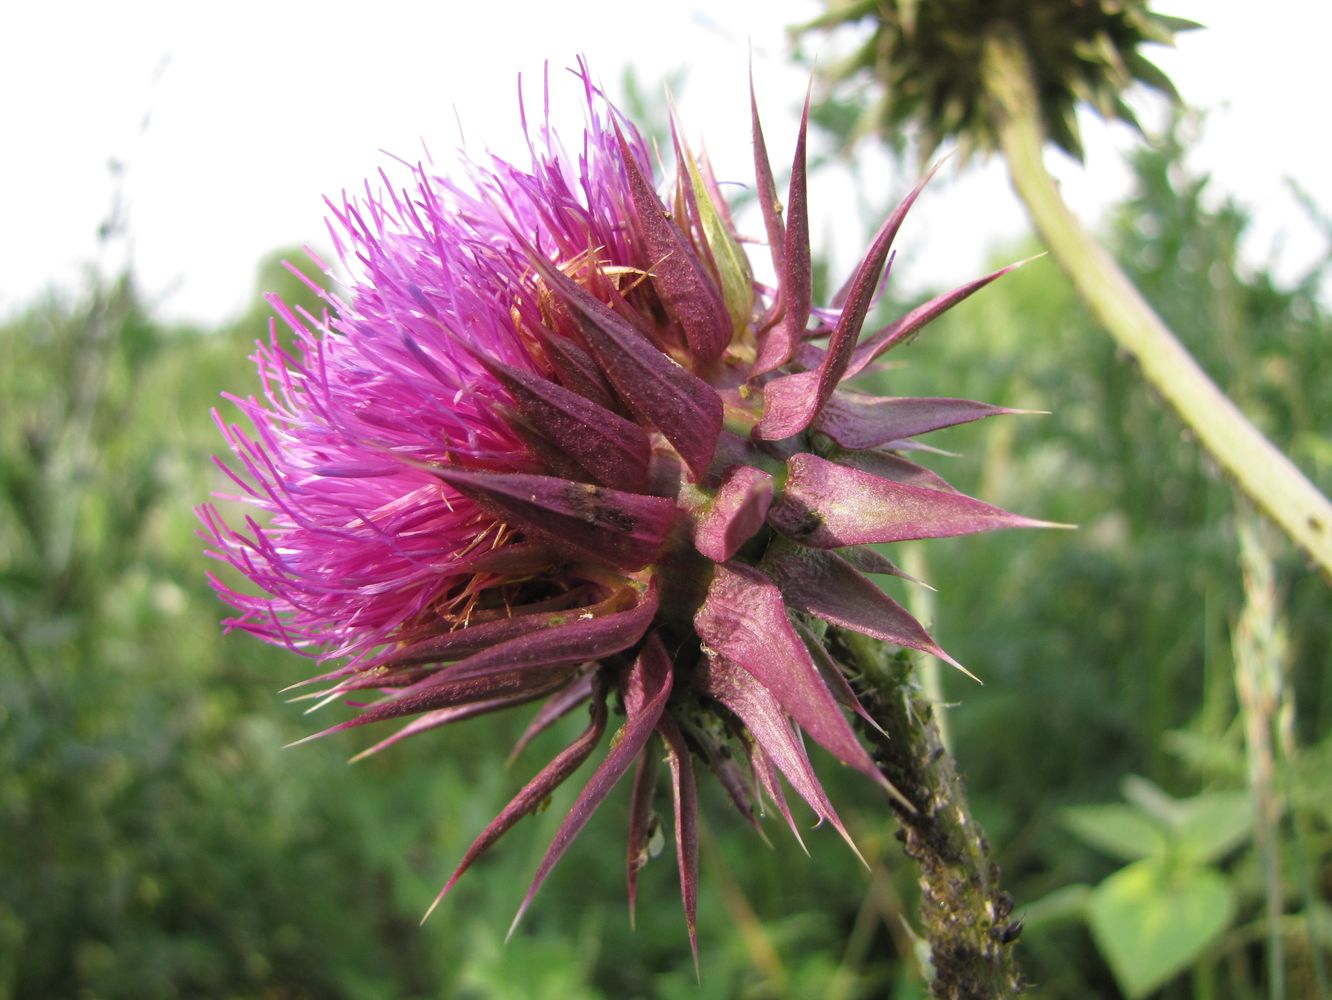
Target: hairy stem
x=1259 y=469
x=964 y=912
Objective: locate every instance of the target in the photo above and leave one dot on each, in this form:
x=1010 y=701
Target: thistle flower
x=557 y=445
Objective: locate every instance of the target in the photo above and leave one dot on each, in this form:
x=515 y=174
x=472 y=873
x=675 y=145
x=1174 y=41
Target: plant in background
x=1158 y=914
x=556 y=444
x=928 y=61
x=1010 y=75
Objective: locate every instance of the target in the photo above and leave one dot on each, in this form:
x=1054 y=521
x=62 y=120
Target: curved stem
x=1259 y=469
x=966 y=916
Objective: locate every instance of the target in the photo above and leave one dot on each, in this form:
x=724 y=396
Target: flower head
x=557 y=445
x=921 y=63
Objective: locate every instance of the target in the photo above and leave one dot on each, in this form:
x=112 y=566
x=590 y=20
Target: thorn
x=438 y=899
x=311 y=737
x=328 y=699
x=851 y=843
x=953 y=663
x=763 y=834
x=517 y=917
x=894 y=793
x=302 y=697
x=367 y=752
x=801 y=841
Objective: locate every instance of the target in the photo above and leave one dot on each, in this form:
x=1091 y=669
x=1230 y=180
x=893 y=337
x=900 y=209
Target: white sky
x=232 y=121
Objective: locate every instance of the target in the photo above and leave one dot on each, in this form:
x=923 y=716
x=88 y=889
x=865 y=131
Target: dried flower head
x=556 y=444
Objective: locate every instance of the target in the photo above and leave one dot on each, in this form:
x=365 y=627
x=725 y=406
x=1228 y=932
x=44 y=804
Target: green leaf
x=1121 y=831
x=1211 y=825
x=1066 y=903
x=1151 y=799
x=1151 y=924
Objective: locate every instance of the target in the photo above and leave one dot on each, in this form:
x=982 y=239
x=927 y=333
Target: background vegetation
x=156 y=841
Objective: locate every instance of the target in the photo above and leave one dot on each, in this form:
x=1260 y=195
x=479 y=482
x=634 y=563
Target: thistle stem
x=1259 y=469
x=964 y=912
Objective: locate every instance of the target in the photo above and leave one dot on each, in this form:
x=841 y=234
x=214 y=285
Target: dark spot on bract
x=586 y=501
x=808 y=525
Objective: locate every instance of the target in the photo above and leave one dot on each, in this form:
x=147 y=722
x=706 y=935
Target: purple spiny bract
x=556 y=444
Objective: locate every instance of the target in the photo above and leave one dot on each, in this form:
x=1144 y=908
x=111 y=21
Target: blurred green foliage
x=1163 y=910
x=1107 y=652
x=157 y=841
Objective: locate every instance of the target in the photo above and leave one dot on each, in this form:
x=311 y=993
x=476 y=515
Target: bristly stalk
x=1279 y=489
x=967 y=917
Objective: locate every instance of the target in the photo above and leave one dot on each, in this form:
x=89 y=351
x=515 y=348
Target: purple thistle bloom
x=557 y=445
